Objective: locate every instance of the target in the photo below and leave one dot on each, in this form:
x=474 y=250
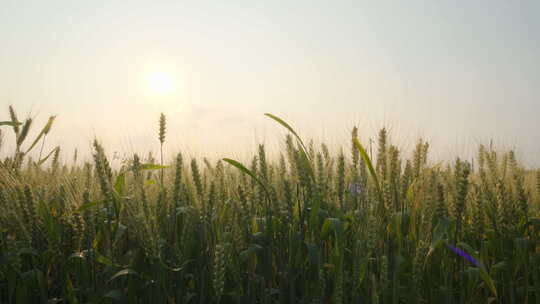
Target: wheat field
x=307 y=227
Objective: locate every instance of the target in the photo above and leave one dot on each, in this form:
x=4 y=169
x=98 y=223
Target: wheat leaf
x=369 y=164
x=48 y=155
x=10 y=123
x=245 y=170
x=43 y=132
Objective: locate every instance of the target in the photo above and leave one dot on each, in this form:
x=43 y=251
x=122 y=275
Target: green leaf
x=115 y=294
x=499 y=267
x=303 y=150
x=313 y=253
x=43 y=132
x=120 y=184
x=182 y=210
x=42 y=286
x=121 y=273
x=258 y=238
x=473 y=275
x=10 y=123
x=70 y=291
x=334 y=225
x=439 y=233
x=88 y=205
x=104 y=260
x=152 y=167
x=34 y=280
x=120 y=231
x=149 y=182
x=29 y=278
x=250 y=251
x=362 y=272
x=76 y=255
x=21 y=294
x=369 y=164
x=489 y=281
x=288 y=127
x=176 y=269
x=245 y=170
x=48 y=155
x=410 y=192
x=97 y=240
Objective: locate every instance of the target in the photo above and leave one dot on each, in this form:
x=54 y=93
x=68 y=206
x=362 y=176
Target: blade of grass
x=10 y=123
x=303 y=150
x=48 y=155
x=288 y=127
x=43 y=132
x=369 y=164
x=245 y=170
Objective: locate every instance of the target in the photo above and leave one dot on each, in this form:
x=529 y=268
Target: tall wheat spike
x=161 y=135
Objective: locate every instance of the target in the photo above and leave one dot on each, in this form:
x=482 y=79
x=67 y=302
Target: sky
x=457 y=73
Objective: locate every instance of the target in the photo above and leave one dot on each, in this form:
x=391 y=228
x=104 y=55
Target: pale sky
x=455 y=72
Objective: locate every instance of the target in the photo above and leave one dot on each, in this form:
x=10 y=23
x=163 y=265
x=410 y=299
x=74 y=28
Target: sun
x=160 y=83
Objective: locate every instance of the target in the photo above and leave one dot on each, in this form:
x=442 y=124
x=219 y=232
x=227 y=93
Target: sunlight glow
x=160 y=83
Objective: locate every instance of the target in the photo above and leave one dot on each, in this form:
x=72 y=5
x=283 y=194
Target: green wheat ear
x=24 y=131
x=14 y=121
x=162 y=128
x=538 y=182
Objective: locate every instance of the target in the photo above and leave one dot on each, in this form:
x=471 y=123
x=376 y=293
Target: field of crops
x=306 y=227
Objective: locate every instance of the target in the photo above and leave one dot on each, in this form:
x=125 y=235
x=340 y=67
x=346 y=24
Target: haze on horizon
x=457 y=73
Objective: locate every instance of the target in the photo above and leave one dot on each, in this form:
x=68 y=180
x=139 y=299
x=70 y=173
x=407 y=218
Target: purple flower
x=464 y=255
